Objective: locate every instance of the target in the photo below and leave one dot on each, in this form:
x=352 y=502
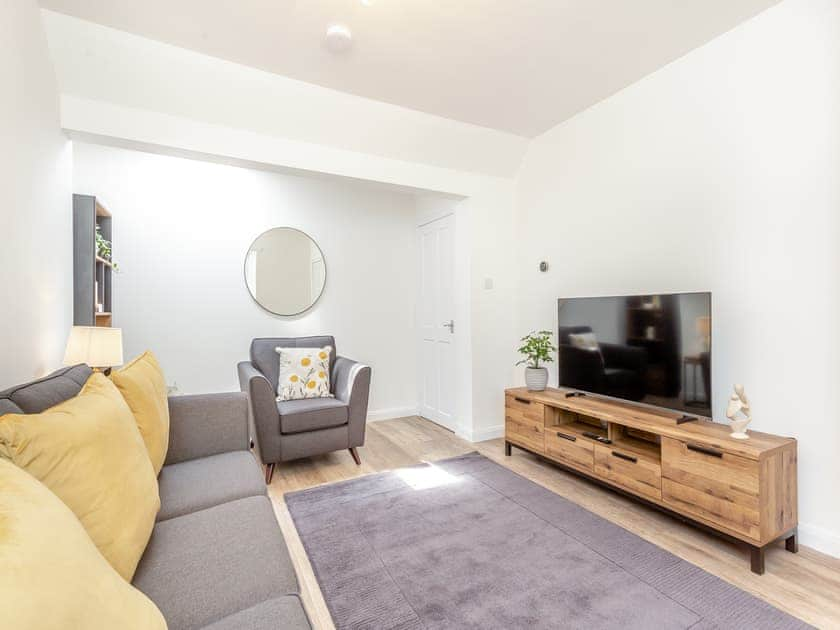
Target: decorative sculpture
x=738 y=404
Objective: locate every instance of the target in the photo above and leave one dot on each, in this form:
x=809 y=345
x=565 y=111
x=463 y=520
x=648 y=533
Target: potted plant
x=103 y=249
x=536 y=347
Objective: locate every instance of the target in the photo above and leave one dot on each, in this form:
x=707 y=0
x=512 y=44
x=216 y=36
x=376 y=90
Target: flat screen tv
x=651 y=349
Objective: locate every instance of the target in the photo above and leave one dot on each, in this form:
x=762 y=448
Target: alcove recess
x=92 y=274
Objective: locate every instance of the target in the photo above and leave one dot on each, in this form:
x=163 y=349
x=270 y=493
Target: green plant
x=103 y=249
x=536 y=347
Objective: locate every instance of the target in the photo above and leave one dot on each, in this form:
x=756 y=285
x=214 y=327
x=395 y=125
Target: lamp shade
x=97 y=346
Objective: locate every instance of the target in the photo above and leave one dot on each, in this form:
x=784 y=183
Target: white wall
x=105 y=64
x=718 y=172
x=36 y=219
x=417 y=152
x=181 y=232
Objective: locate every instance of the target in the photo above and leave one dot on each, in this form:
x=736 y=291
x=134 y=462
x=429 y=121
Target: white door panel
x=436 y=328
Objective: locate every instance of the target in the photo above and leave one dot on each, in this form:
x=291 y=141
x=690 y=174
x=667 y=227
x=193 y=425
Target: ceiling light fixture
x=338 y=38
x=367 y=3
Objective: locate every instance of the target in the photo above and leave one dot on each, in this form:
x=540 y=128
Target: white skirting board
x=820 y=539
x=389 y=414
x=480 y=435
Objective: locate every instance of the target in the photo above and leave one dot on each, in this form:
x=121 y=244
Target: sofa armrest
x=352 y=386
x=263 y=416
x=206 y=424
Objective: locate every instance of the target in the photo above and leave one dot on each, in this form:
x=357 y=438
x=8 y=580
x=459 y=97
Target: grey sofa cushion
x=310 y=414
x=202 y=567
x=36 y=396
x=202 y=483
x=267 y=361
x=284 y=613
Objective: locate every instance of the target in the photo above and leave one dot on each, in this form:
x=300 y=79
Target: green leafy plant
x=103 y=249
x=536 y=347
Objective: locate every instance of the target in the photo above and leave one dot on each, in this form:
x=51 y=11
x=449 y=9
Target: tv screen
x=652 y=349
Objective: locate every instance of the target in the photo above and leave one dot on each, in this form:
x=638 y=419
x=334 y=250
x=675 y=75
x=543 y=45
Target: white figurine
x=738 y=403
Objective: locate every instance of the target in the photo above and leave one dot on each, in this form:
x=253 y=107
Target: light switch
x=488 y=283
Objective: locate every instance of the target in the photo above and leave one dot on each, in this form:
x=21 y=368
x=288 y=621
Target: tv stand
x=743 y=490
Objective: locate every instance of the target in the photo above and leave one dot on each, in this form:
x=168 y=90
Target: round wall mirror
x=285 y=271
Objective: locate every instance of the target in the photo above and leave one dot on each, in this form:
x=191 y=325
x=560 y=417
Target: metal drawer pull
x=522 y=400
x=623 y=456
x=704 y=450
x=571 y=438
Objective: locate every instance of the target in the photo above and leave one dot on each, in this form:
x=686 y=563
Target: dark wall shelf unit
x=92 y=274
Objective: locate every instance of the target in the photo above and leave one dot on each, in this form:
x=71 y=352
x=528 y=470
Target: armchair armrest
x=206 y=424
x=351 y=381
x=263 y=417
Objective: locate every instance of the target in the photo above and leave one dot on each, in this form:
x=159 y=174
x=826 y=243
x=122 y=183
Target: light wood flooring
x=806 y=584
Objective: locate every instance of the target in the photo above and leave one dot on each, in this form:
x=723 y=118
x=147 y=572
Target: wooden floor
x=806 y=584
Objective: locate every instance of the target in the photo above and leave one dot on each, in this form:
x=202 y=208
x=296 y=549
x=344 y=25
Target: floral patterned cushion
x=304 y=373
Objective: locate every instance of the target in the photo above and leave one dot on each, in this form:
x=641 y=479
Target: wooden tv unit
x=741 y=489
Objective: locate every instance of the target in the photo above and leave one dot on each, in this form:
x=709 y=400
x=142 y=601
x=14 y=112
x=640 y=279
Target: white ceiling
x=520 y=66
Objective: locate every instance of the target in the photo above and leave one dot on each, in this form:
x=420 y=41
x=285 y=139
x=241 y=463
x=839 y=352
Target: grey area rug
x=467 y=543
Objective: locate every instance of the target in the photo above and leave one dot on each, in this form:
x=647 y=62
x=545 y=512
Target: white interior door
x=437 y=327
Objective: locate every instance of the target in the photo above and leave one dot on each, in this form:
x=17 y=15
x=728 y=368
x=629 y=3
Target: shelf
x=107 y=263
x=641 y=449
x=101 y=211
x=100 y=315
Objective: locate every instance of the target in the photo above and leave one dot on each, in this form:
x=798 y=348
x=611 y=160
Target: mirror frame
x=245 y=272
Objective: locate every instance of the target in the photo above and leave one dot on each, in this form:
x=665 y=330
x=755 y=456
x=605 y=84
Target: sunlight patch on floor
x=429 y=476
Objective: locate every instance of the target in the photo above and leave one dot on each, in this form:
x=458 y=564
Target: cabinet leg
x=792 y=543
x=757 y=560
x=507 y=448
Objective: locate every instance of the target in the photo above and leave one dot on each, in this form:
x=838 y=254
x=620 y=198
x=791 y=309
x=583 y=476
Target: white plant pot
x=536 y=378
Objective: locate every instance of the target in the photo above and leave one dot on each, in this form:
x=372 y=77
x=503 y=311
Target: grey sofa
x=283 y=431
x=216 y=558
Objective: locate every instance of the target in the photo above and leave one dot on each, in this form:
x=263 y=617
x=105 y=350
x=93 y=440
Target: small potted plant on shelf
x=103 y=249
x=536 y=347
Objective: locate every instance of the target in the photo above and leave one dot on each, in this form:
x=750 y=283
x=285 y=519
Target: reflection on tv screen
x=654 y=349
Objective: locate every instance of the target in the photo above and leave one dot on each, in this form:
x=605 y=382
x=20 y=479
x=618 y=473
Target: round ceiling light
x=338 y=38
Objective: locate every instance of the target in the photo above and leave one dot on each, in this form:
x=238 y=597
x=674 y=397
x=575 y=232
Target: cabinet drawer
x=626 y=469
x=712 y=484
x=569 y=448
x=525 y=410
x=527 y=434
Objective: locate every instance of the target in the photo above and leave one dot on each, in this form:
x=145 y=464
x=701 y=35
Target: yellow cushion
x=51 y=575
x=142 y=385
x=88 y=451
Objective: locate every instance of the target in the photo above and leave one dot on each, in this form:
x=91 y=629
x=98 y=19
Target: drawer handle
x=565 y=436
x=624 y=457
x=596 y=437
x=524 y=401
x=704 y=450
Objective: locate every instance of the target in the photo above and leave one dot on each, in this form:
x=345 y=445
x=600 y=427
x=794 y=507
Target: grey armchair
x=283 y=431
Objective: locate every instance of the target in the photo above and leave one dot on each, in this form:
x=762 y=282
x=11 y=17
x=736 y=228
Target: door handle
x=450 y=325
x=623 y=456
x=704 y=450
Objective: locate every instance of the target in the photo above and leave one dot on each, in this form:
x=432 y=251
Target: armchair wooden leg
x=269 y=473
x=355 y=455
